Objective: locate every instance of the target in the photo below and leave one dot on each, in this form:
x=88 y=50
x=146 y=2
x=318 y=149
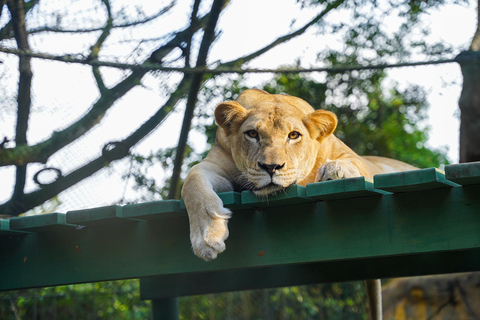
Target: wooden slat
x=6 y=231
x=50 y=222
x=153 y=210
x=97 y=216
x=343 y=189
x=417 y=180
x=464 y=173
x=233 y=201
x=291 y=195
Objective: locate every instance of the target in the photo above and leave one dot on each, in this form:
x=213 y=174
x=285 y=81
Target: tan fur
x=253 y=139
x=234 y=161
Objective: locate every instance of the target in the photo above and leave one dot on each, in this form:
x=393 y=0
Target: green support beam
x=165 y=309
x=341 y=230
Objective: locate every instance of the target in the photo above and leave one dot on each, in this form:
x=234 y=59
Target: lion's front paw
x=208 y=225
x=337 y=169
x=209 y=240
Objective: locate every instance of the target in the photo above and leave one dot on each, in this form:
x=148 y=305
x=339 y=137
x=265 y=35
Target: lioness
x=265 y=143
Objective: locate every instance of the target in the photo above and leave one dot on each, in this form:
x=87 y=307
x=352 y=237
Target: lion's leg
x=207 y=216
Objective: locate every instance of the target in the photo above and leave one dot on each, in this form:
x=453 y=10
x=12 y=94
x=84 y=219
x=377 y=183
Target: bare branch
x=193 y=22
x=43 y=150
x=285 y=38
x=198 y=79
x=4 y=35
x=7 y=31
x=226 y=67
x=17 y=11
x=120 y=150
x=95 y=49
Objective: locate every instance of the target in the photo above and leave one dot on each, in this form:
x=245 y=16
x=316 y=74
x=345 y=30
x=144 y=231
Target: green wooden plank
x=291 y=195
x=463 y=173
x=233 y=201
x=343 y=189
x=230 y=199
x=438 y=227
x=5 y=229
x=50 y=222
x=417 y=180
x=153 y=210
x=97 y=216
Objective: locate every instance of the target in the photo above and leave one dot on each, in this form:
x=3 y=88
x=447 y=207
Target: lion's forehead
x=274 y=119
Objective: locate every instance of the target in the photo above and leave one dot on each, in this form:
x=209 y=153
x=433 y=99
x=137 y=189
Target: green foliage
x=105 y=300
x=329 y=301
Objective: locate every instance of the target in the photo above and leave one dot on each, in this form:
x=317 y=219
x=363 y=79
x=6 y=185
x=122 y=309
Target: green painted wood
x=291 y=195
x=5 y=230
x=343 y=189
x=464 y=173
x=50 y=222
x=153 y=210
x=233 y=201
x=165 y=309
x=432 y=225
x=417 y=180
x=187 y=284
x=97 y=216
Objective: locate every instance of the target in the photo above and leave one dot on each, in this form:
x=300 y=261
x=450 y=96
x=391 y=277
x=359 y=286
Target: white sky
x=62 y=93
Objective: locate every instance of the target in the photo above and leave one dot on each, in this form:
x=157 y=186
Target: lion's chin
x=268 y=190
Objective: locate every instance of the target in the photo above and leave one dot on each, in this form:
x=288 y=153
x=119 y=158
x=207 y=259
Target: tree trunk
x=469 y=102
x=470 y=106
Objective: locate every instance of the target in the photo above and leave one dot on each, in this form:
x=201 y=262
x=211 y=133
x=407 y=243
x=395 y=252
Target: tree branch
x=6 y=34
x=17 y=11
x=7 y=31
x=95 y=49
x=208 y=38
x=227 y=67
x=43 y=150
x=285 y=38
x=119 y=151
x=193 y=22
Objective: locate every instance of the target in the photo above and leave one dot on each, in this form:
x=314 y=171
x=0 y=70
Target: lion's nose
x=271 y=168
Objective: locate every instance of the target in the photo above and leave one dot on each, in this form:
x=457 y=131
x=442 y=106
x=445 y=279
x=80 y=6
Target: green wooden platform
x=402 y=224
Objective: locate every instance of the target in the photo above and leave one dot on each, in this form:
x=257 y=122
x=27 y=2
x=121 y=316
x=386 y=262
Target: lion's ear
x=230 y=113
x=320 y=124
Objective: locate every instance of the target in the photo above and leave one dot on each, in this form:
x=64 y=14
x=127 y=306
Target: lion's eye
x=252 y=134
x=294 y=135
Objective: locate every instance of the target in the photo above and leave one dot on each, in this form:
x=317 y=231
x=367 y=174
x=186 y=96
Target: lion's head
x=274 y=139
